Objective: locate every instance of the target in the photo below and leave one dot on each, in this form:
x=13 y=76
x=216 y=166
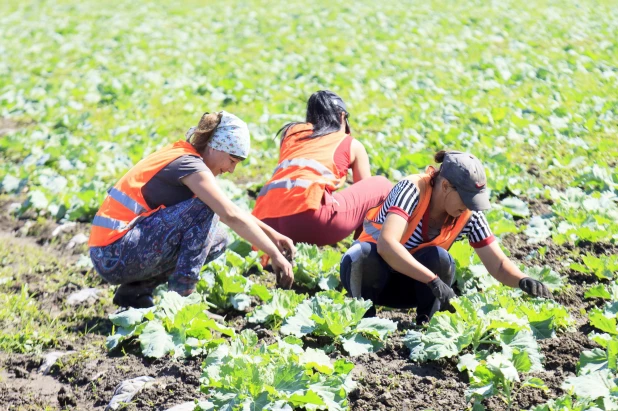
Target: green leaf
x=595 y=385
x=282 y=305
x=538 y=230
x=535 y=382
x=240 y=301
x=414 y=341
x=172 y=302
x=313 y=358
x=300 y=323
x=129 y=318
x=315 y=268
x=514 y=342
x=592 y=361
x=467 y=362
x=357 y=344
x=378 y=327
x=500 y=364
x=118 y=337
x=155 y=341
x=447 y=335
x=37 y=200
x=260 y=291
x=603 y=321
x=515 y=207
x=598 y=291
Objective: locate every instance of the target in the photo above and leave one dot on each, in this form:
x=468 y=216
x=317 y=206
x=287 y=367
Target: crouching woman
x=159 y=222
x=401 y=259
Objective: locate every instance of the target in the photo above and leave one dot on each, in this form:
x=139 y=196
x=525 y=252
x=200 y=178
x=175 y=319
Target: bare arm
x=499 y=265
x=282 y=242
x=359 y=160
x=396 y=255
x=205 y=187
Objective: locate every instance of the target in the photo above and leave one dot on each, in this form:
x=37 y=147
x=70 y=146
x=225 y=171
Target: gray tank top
x=165 y=188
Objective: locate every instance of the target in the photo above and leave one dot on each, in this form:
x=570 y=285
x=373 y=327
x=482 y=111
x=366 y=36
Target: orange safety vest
x=448 y=233
x=125 y=204
x=305 y=171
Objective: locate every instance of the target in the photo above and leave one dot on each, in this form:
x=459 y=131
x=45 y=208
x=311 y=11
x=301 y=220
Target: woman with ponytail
x=159 y=222
x=301 y=200
x=401 y=259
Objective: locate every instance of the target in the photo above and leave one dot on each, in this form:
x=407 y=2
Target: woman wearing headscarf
x=401 y=259
x=158 y=223
x=301 y=200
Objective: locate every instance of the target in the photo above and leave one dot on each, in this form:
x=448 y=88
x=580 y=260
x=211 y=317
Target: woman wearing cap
x=401 y=258
x=158 y=223
x=301 y=199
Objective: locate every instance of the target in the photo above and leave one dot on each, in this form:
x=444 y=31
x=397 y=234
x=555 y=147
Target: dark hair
x=324 y=110
x=204 y=131
x=438 y=158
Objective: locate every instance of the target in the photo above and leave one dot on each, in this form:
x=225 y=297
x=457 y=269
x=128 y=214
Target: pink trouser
x=340 y=215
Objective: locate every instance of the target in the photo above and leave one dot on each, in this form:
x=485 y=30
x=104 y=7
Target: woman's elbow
x=229 y=217
x=384 y=248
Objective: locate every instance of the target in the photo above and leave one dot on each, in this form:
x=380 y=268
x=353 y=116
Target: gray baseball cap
x=465 y=172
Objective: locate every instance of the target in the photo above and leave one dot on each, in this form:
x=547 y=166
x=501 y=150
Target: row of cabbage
x=494 y=334
x=241 y=372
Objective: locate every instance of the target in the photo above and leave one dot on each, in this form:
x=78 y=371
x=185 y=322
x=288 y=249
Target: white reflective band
x=126 y=201
x=287 y=184
x=107 y=222
x=308 y=163
x=371 y=230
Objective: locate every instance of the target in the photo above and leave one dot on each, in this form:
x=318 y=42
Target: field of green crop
x=89 y=88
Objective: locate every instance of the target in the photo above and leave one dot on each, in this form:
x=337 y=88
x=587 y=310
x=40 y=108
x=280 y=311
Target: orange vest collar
x=448 y=233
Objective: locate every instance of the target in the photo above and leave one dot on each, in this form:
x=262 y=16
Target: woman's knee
x=439 y=261
x=361 y=268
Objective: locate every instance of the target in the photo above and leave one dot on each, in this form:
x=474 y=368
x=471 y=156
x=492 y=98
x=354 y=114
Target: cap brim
x=478 y=201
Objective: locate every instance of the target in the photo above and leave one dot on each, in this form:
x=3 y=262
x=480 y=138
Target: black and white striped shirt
x=403 y=200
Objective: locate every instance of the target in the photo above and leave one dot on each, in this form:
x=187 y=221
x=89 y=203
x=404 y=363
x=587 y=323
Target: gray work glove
x=442 y=292
x=535 y=288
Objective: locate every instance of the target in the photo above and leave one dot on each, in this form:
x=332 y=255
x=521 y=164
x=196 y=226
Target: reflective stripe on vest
x=371 y=230
x=109 y=223
x=126 y=201
x=287 y=184
x=124 y=204
x=308 y=163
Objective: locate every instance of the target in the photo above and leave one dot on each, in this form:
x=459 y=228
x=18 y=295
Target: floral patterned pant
x=170 y=245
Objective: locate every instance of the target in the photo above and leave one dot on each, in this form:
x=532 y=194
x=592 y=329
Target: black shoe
x=144 y=301
x=127 y=296
x=422 y=319
x=370 y=312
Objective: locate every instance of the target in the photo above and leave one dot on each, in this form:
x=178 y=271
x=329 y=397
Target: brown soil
x=387 y=380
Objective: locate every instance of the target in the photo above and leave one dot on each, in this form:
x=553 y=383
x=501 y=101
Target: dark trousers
x=385 y=286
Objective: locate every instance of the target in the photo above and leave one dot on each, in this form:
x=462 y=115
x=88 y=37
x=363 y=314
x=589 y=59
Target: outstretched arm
x=205 y=187
x=505 y=271
x=282 y=242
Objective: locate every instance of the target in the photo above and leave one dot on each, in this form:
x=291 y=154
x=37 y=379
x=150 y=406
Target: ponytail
x=438 y=158
x=205 y=129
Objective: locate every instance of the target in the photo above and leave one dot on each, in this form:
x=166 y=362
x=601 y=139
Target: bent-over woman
x=158 y=223
x=301 y=200
x=401 y=259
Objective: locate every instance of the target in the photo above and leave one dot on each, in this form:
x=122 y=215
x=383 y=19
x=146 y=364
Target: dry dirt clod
x=66 y=397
